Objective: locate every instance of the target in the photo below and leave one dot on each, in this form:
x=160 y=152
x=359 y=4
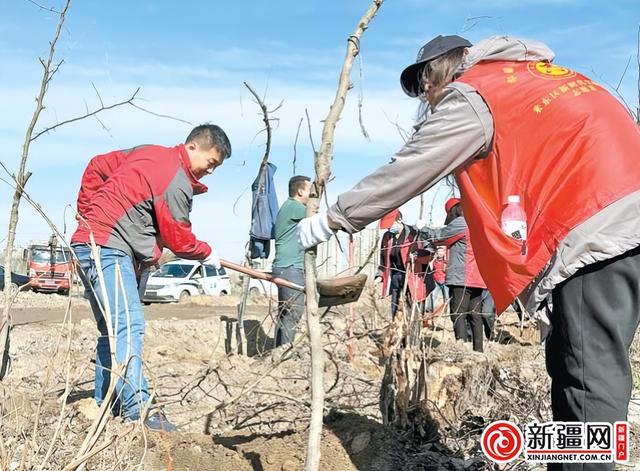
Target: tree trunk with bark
x=323 y=160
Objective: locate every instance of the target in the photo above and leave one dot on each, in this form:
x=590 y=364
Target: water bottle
x=514 y=219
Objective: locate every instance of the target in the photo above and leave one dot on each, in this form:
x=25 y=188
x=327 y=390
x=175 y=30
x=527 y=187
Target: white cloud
x=57 y=159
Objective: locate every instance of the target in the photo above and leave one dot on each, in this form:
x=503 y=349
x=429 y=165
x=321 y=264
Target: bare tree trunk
x=323 y=170
x=20 y=179
x=241 y=337
x=49 y=70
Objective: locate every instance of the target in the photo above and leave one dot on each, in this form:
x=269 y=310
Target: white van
x=259 y=287
x=178 y=280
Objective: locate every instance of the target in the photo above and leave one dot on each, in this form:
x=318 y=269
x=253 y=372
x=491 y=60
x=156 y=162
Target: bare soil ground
x=250 y=412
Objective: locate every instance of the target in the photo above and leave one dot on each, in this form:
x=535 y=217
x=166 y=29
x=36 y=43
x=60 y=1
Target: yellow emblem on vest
x=550 y=71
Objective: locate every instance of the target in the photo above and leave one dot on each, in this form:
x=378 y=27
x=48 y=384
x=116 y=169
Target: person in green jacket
x=289 y=259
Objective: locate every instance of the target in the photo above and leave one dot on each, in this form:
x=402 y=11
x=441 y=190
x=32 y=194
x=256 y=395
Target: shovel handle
x=260 y=275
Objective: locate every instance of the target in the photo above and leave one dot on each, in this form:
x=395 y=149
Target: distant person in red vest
x=438 y=268
x=463 y=278
x=507 y=122
x=402 y=262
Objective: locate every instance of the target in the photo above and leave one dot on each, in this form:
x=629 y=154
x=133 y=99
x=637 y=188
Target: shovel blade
x=341 y=290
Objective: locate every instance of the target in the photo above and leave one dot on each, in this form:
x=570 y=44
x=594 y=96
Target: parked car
x=259 y=287
x=178 y=280
x=16 y=279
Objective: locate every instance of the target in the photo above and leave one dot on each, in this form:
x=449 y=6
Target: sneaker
x=157 y=421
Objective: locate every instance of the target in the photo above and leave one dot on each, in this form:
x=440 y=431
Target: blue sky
x=191 y=57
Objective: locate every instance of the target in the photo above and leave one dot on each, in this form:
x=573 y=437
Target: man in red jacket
x=131 y=205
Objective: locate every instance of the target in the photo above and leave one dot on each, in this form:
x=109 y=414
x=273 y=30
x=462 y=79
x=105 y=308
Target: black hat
x=434 y=48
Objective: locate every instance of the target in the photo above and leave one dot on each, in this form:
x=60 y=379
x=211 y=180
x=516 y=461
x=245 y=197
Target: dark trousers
x=594 y=319
x=143 y=277
x=488 y=310
x=465 y=307
x=291 y=305
x=396 y=288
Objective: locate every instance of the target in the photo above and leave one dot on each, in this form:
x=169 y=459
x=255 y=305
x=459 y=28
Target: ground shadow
x=258 y=341
x=504 y=337
x=234 y=442
x=75 y=396
x=372 y=446
x=431 y=339
x=365 y=440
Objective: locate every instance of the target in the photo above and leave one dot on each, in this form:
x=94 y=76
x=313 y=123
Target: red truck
x=49 y=266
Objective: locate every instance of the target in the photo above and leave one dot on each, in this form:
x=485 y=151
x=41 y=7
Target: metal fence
x=333 y=256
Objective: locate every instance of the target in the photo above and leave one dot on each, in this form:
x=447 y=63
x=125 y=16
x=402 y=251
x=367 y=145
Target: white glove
x=421 y=224
x=313 y=230
x=213 y=259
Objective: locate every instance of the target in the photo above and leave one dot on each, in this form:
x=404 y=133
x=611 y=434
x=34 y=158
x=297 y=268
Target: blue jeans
x=132 y=388
x=439 y=289
x=291 y=304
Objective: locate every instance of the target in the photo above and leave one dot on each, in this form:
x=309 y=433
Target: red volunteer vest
x=414 y=277
x=563 y=144
x=472 y=277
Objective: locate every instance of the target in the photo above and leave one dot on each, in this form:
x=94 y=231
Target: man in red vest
x=403 y=263
x=463 y=278
x=506 y=121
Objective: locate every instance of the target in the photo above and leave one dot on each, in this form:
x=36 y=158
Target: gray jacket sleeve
x=458 y=129
x=454 y=228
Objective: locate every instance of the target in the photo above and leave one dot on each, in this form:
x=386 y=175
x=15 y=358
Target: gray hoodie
x=459 y=128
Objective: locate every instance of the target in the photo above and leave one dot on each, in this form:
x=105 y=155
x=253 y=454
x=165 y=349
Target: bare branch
x=129 y=101
x=295 y=155
x=265 y=120
x=159 y=115
x=404 y=135
x=614 y=91
x=310 y=134
x=623 y=73
x=235 y=203
x=250 y=386
x=97 y=93
x=44 y=8
x=54 y=71
x=20 y=187
x=276 y=109
x=360 y=100
x=474 y=20
x=106 y=129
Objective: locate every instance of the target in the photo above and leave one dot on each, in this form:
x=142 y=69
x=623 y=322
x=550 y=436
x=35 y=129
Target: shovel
x=332 y=291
